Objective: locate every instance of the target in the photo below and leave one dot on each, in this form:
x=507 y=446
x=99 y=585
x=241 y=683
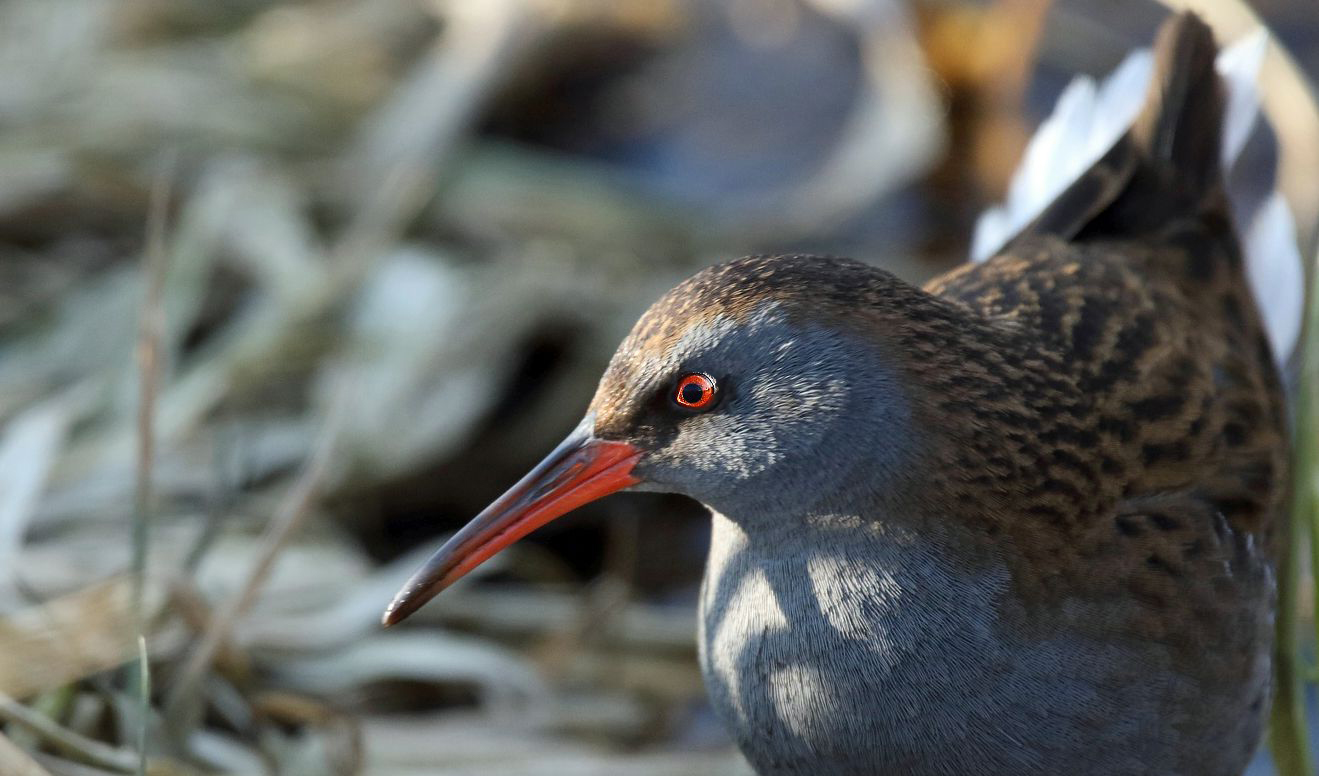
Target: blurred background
x=291 y=290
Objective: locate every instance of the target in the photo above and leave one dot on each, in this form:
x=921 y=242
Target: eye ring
x=695 y=391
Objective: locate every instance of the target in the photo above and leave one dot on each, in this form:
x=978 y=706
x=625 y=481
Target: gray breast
x=862 y=654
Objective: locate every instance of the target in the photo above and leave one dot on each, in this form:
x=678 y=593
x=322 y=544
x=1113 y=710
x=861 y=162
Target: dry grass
x=262 y=277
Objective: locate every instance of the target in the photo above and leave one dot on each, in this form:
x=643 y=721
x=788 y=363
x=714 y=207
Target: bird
x=1022 y=519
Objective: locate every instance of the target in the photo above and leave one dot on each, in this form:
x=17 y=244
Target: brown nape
x=819 y=289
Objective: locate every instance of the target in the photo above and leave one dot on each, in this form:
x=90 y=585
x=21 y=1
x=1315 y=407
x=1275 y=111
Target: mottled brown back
x=1139 y=445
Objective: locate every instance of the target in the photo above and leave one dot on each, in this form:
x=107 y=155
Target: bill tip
x=394 y=614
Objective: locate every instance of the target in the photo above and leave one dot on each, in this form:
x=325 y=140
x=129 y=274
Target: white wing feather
x=1086 y=121
x=1277 y=276
x=1239 y=67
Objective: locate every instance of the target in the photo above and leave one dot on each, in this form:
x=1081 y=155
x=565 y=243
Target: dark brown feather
x=1166 y=166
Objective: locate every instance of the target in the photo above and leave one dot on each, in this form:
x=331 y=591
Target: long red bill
x=580 y=470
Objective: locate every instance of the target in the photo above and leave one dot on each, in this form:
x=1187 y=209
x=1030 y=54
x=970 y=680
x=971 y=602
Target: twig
x=290 y=516
x=78 y=746
x=151 y=328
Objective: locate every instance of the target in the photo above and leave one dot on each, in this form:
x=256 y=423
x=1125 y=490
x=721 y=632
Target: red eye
x=695 y=391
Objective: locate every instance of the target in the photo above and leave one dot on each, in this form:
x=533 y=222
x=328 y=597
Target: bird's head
x=752 y=387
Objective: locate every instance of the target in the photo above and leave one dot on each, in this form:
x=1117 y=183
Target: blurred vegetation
x=292 y=289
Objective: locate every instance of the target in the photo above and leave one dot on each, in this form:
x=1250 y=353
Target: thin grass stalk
x=1288 y=729
x=1306 y=472
x=1289 y=733
x=144 y=699
x=151 y=329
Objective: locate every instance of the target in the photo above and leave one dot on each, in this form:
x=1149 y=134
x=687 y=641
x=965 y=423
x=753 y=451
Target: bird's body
x=1072 y=571
x=1020 y=521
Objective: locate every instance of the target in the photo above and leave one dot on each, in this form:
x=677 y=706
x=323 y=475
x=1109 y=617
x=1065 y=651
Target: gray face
x=800 y=408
